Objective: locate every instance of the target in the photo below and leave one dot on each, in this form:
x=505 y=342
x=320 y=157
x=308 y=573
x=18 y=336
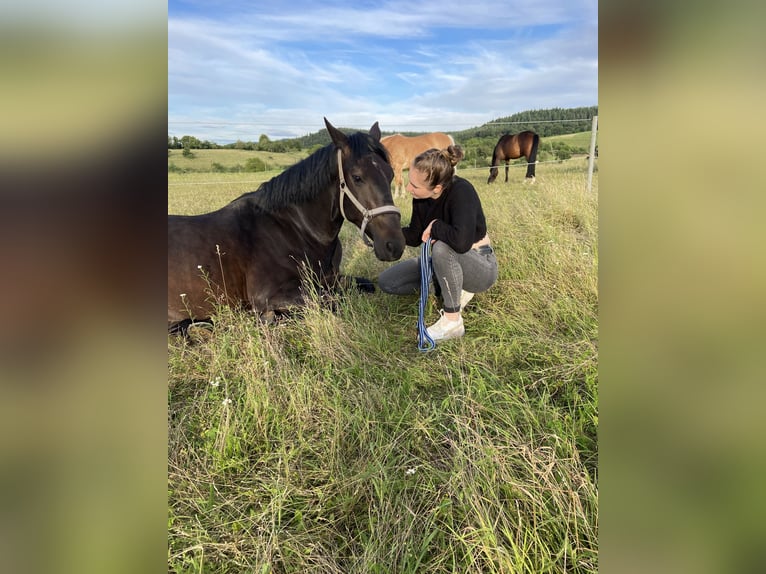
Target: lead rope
x=425 y=342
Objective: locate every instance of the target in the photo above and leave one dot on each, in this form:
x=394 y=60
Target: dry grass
x=329 y=444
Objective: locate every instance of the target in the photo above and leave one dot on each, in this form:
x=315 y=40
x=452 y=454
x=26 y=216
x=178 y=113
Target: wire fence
x=463 y=168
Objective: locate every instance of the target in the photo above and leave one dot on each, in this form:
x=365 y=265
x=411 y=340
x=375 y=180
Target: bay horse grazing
x=510 y=147
x=403 y=149
x=255 y=252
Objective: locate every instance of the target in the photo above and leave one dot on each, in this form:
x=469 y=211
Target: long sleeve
x=414 y=231
x=462 y=221
x=459 y=219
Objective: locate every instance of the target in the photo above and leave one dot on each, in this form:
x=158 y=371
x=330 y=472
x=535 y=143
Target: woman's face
x=418 y=188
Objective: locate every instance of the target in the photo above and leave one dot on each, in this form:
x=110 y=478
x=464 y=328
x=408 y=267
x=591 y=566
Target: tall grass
x=329 y=444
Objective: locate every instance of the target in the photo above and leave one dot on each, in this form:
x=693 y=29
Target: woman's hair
x=438 y=165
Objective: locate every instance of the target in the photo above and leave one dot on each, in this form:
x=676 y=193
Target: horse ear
x=337 y=136
x=375 y=132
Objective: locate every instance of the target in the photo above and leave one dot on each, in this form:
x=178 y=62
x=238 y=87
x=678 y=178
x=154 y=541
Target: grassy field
x=578 y=140
x=330 y=444
x=202 y=160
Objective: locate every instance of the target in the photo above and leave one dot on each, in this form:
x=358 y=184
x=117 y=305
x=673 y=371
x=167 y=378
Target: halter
x=367 y=214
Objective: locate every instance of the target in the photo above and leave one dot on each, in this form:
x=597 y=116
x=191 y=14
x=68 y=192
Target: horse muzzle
x=388 y=240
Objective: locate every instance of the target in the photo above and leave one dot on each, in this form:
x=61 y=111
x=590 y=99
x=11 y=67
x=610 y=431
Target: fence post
x=592 y=152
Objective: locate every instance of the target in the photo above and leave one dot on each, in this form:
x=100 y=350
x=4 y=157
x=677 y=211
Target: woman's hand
x=427 y=232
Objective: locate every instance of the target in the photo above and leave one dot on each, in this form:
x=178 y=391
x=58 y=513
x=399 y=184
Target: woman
x=446 y=211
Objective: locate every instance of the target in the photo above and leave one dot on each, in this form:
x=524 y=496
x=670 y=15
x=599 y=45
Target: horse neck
x=494 y=155
x=313 y=214
x=319 y=218
x=305 y=198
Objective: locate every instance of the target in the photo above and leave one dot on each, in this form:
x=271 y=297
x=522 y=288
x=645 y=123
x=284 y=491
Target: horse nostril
x=394 y=250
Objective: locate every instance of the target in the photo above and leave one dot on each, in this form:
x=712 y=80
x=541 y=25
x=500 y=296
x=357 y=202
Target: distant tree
x=255 y=164
x=263 y=143
x=191 y=142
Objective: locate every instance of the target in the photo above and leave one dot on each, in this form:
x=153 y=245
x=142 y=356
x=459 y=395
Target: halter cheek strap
x=367 y=214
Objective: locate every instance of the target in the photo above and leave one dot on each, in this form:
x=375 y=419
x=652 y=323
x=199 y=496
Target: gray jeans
x=474 y=271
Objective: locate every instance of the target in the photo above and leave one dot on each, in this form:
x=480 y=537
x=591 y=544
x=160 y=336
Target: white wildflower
x=410 y=471
x=226 y=402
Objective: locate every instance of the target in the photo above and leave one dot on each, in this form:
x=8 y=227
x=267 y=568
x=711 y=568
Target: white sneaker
x=445 y=329
x=465 y=297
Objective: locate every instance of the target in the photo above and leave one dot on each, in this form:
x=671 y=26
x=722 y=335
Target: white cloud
x=280 y=72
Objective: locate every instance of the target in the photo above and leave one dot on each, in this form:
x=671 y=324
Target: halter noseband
x=367 y=214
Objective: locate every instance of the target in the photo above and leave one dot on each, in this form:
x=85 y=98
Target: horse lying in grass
x=255 y=252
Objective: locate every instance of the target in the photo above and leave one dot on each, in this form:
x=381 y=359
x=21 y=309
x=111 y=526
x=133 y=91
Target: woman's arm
x=414 y=230
x=458 y=227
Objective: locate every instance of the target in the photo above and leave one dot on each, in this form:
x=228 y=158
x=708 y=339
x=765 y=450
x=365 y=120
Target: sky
x=239 y=69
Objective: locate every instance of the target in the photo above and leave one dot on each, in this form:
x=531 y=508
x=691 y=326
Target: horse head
x=365 y=199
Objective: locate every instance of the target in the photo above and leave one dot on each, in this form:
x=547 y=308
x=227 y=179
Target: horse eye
x=357 y=179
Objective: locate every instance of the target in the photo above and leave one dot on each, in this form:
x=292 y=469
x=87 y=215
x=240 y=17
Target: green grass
x=345 y=450
x=202 y=160
x=576 y=140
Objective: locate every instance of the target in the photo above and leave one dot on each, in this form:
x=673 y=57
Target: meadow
x=203 y=160
x=329 y=444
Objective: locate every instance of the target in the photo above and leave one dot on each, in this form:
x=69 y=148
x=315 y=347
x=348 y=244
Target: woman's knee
x=387 y=282
x=400 y=278
x=441 y=250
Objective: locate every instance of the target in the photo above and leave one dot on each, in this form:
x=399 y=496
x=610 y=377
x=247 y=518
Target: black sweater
x=460 y=218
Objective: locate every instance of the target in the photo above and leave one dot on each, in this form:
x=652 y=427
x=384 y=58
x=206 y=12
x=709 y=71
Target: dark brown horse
x=510 y=147
x=255 y=252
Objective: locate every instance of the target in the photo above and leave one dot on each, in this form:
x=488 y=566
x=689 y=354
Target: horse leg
x=187 y=328
x=532 y=158
x=506 y=171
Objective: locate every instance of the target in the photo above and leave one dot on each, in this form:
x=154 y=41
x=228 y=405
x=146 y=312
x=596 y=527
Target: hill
x=547 y=122
x=563 y=132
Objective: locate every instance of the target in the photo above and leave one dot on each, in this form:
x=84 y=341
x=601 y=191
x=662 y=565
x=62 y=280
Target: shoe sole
x=450 y=336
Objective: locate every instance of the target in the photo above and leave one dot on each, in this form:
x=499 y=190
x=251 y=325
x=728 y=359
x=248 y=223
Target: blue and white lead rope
x=425 y=342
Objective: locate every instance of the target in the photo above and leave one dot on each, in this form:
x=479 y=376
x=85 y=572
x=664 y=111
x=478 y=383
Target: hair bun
x=454 y=154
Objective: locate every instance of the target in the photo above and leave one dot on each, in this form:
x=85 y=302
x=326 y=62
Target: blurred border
x=682 y=283
x=83 y=413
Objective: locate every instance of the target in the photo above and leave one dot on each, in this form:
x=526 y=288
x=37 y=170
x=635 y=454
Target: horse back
x=198 y=245
x=251 y=262
x=403 y=149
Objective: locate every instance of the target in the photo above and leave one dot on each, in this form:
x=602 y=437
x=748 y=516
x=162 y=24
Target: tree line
x=477 y=142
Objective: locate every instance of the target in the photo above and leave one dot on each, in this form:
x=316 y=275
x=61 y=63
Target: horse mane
x=308 y=178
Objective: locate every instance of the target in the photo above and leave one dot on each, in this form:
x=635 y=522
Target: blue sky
x=238 y=69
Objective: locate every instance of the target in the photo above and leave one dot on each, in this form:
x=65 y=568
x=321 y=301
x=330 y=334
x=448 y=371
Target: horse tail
x=535 y=143
x=532 y=159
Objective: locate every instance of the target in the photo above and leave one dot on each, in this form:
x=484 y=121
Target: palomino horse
x=255 y=252
x=513 y=147
x=403 y=149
